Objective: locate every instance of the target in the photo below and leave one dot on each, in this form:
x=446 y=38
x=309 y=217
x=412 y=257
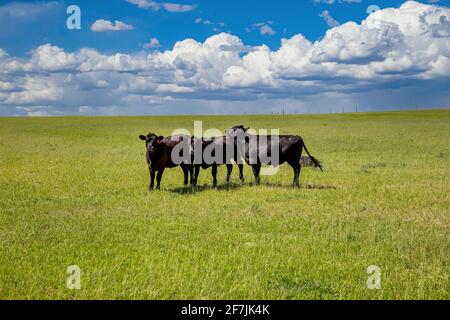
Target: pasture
x=73 y=190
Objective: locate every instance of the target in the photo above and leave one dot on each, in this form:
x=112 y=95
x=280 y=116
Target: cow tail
x=314 y=160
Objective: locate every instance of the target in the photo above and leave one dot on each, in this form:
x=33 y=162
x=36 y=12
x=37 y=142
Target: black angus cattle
x=227 y=155
x=158 y=154
x=257 y=151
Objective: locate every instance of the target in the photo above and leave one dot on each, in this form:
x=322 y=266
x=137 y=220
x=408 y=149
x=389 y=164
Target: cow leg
x=152 y=180
x=229 y=171
x=191 y=172
x=214 y=175
x=297 y=168
x=185 y=173
x=158 y=179
x=196 y=172
x=256 y=169
x=241 y=172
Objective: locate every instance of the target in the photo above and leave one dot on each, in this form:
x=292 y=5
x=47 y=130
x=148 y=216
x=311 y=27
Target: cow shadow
x=302 y=186
x=188 y=190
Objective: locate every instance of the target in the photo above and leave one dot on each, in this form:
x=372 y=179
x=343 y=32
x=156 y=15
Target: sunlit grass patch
x=74 y=191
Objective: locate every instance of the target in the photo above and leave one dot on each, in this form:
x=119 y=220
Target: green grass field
x=74 y=191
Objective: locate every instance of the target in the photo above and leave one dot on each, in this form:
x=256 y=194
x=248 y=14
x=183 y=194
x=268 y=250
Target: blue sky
x=288 y=17
x=33 y=30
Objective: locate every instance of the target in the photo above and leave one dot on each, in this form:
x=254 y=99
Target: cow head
x=152 y=142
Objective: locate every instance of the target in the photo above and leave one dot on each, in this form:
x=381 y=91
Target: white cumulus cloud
x=102 y=25
x=153 y=43
x=167 y=6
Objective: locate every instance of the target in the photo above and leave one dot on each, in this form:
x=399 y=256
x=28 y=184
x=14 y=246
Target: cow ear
x=142 y=137
x=246 y=129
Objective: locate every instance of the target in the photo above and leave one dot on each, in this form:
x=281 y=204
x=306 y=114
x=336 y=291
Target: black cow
x=228 y=154
x=257 y=151
x=158 y=154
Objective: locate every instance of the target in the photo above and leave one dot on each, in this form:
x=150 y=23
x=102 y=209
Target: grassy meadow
x=73 y=190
